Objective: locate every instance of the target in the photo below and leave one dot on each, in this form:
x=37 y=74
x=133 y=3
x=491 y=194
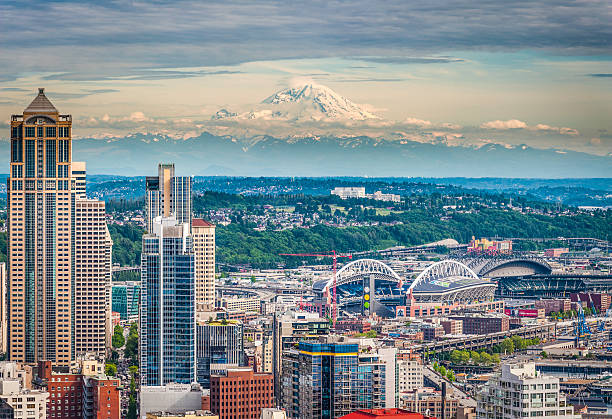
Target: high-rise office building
x=167 y=313
x=126 y=299
x=92 y=278
x=47 y=309
x=168 y=195
x=219 y=343
x=203 y=234
x=3 y=309
x=40 y=202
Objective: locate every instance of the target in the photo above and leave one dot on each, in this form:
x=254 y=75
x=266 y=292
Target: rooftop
x=386 y=413
x=198 y=222
x=40 y=104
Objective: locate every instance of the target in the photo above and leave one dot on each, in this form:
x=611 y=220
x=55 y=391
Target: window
x=39 y=132
x=30 y=131
x=50 y=132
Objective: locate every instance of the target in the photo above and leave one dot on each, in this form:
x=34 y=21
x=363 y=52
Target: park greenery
x=118 y=340
x=131 y=345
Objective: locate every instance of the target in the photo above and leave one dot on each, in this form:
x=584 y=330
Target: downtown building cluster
x=202 y=352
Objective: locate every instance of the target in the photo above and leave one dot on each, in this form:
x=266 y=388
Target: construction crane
x=331 y=254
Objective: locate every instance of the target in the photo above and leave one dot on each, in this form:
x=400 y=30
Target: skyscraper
x=40 y=202
x=204 y=247
x=3 y=308
x=167 y=313
x=92 y=278
x=168 y=195
x=55 y=281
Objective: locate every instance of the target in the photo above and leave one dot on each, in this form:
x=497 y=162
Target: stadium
x=369 y=286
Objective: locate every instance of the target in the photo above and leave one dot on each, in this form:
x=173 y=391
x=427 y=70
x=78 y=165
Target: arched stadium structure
x=368 y=286
x=386 y=289
x=450 y=282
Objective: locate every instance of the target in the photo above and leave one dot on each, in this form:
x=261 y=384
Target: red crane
x=332 y=254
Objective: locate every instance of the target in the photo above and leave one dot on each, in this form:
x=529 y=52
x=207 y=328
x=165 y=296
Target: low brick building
x=241 y=393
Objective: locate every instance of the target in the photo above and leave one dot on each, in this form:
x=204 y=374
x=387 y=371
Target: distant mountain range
x=209 y=154
x=310 y=130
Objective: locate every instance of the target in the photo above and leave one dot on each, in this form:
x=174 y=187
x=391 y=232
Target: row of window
x=62 y=132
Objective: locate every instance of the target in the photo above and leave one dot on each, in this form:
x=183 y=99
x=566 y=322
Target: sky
x=536 y=72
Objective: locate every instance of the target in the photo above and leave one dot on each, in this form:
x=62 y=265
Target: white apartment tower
x=520 y=391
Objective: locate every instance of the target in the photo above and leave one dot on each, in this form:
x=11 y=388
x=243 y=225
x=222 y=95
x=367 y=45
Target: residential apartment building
x=287 y=331
x=167 y=315
x=58 y=246
x=428 y=401
x=521 y=391
x=482 y=324
x=409 y=375
x=168 y=195
x=241 y=394
x=331 y=378
x=92 y=278
x=219 y=343
x=203 y=234
x=79 y=391
x=25 y=404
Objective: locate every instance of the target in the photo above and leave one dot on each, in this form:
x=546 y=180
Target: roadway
x=452 y=390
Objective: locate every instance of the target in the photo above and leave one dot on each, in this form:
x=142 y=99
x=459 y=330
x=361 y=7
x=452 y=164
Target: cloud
x=410 y=60
x=417 y=122
x=503 y=125
x=601 y=75
x=137 y=74
x=516 y=124
x=13 y=89
x=110 y=38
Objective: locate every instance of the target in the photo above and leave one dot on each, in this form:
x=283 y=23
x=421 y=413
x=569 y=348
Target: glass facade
x=167 y=320
x=220 y=344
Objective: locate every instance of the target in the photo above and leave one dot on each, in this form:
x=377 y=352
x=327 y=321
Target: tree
x=450 y=375
x=464 y=356
x=133 y=370
x=442 y=370
x=110 y=370
x=507 y=346
x=455 y=357
x=543 y=354
x=475 y=356
x=118 y=340
x=132 y=412
x=496 y=359
x=485 y=358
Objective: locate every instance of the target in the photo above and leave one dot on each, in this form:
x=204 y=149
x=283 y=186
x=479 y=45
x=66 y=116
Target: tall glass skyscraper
x=167 y=312
x=168 y=195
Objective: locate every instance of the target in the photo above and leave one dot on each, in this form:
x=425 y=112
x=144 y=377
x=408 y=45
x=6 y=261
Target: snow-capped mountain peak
x=307 y=102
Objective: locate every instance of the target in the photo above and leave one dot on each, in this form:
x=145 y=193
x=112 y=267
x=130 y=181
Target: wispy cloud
x=101 y=37
x=600 y=75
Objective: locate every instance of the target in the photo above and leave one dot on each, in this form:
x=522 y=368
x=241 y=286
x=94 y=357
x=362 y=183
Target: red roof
x=385 y=413
x=198 y=222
